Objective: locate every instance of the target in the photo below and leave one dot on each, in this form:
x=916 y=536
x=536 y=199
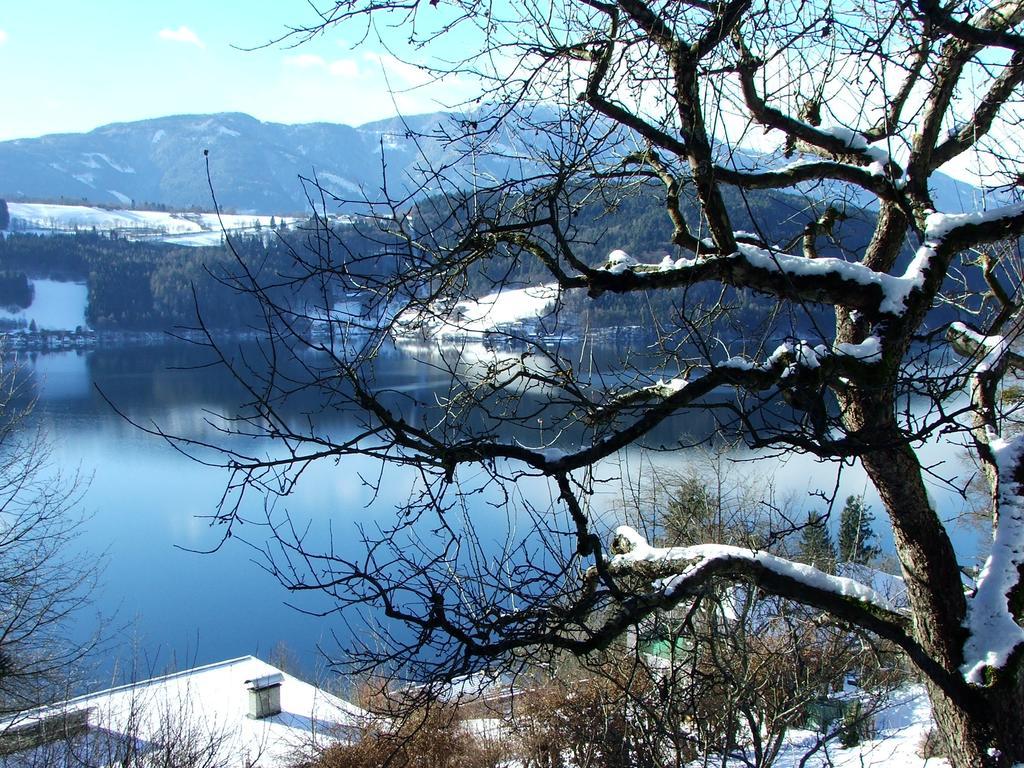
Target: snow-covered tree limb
x=996 y=609
x=847 y=102
x=677 y=573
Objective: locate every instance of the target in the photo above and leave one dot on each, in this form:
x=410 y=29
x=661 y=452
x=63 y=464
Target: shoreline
x=52 y=341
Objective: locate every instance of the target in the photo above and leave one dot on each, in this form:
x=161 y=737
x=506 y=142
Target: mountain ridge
x=256 y=166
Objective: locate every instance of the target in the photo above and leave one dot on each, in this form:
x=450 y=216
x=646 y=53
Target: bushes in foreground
x=425 y=738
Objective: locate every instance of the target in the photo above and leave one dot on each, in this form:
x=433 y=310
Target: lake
x=149 y=505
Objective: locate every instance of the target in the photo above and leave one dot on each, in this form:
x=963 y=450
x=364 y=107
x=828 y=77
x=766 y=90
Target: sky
x=71 y=66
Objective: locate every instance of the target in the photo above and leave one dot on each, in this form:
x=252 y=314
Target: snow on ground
x=476 y=317
x=56 y=306
x=185 y=228
x=899 y=730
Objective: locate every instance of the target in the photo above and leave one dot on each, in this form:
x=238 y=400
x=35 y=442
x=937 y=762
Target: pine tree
x=856 y=536
x=5 y=216
x=816 y=545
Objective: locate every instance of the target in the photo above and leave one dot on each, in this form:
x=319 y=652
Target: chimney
x=265 y=695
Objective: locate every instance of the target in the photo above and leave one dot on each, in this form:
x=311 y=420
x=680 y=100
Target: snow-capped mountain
x=254 y=166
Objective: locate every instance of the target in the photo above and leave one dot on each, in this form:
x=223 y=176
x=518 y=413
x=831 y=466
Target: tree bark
x=981 y=727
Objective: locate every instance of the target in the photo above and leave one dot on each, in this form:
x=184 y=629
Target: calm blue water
x=145 y=502
x=148 y=504
x=149 y=507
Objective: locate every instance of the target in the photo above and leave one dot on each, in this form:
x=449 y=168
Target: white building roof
x=201 y=713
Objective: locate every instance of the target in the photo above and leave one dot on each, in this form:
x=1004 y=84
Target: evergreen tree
x=816 y=545
x=5 y=216
x=856 y=536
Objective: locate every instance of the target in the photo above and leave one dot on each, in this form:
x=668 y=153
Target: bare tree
x=611 y=104
x=43 y=584
x=746 y=667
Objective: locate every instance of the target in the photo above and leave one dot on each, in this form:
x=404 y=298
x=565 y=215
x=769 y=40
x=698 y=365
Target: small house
x=241 y=712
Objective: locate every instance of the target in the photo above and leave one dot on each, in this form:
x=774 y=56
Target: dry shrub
x=427 y=738
x=610 y=720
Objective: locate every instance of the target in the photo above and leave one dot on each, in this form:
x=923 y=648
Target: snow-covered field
x=899 y=731
x=56 y=306
x=475 y=318
x=182 y=228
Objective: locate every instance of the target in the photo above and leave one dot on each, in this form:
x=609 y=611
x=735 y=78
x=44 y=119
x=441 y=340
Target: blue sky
x=71 y=66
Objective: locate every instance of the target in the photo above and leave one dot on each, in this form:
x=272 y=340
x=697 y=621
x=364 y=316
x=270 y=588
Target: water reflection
x=59 y=375
x=150 y=503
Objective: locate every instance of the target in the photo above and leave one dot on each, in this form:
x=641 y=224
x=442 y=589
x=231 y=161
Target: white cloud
x=352 y=89
x=344 y=68
x=305 y=61
x=400 y=73
x=181 y=35
x=3 y=36
x=337 y=67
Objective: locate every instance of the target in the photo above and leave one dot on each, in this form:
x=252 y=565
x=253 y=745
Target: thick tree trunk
x=965 y=734
x=927 y=560
x=982 y=728
x=988 y=735
x=1005 y=717
x=934 y=587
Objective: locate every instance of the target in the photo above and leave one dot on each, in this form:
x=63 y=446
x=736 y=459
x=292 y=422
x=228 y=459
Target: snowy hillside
x=256 y=166
x=252 y=165
x=898 y=734
x=181 y=228
x=512 y=311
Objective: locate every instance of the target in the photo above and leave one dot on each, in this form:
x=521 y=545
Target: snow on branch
x=872 y=178
x=824 y=279
x=993 y=630
x=992 y=621
x=674 y=568
x=989 y=350
x=794 y=358
x=994 y=633
x=789 y=362
x=838 y=141
x=857 y=143
x=675 y=574
x=895 y=289
x=938 y=226
x=829 y=280
x=953 y=232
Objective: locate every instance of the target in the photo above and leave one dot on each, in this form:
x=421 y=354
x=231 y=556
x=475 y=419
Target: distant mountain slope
x=179 y=228
x=254 y=165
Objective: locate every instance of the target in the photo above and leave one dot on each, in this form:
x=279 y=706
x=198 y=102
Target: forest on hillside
x=134 y=285
x=146 y=285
